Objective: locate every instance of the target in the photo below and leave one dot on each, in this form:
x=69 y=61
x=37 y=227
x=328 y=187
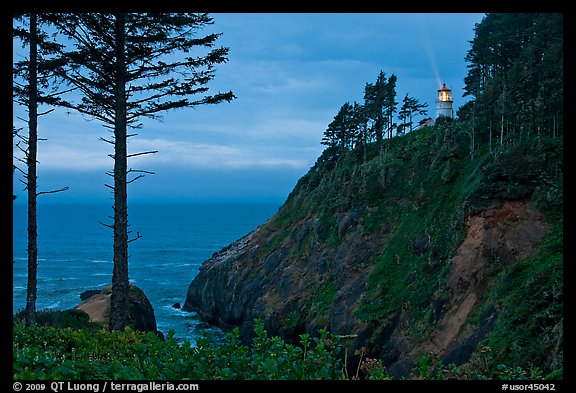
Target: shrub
x=45 y=352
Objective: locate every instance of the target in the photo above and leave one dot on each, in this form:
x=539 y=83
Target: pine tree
x=410 y=107
x=380 y=105
x=374 y=102
x=32 y=86
x=128 y=67
x=515 y=76
x=390 y=104
x=360 y=125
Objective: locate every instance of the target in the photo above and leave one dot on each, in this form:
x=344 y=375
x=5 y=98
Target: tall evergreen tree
x=339 y=132
x=31 y=87
x=380 y=105
x=410 y=108
x=360 y=127
x=390 y=104
x=515 y=76
x=374 y=102
x=132 y=66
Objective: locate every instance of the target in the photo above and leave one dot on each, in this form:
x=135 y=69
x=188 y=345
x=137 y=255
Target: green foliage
x=530 y=331
x=532 y=168
x=515 y=75
x=73 y=318
x=44 y=352
x=482 y=366
x=419 y=202
x=322 y=298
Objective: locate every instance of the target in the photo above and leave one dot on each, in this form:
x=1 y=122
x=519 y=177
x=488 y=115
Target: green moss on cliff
x=530 y=295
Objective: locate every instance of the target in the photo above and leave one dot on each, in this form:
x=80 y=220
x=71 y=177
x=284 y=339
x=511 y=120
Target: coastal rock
x=141 y=316
x=237 y=285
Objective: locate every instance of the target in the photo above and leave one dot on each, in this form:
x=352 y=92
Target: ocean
x=75 y=253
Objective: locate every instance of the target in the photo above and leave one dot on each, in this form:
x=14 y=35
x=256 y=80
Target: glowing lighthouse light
x=444 y=102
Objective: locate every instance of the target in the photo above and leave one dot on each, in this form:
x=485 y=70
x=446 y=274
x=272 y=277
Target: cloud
x=178 y=153
x=73 y=158
x=212 y=156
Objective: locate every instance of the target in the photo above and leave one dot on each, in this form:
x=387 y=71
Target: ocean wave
x=49 y=279
x=175 y=311
x=54 y=260
x=173 y=265
x=53 y=305
x=161 y=264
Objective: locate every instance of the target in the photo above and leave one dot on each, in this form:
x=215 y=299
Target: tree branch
x=138 y=236
x=106 y=140
x=136 y=178
x=140 y=154
x=20 y=170
x=45 y=113
x=139 y=171
x=53 y=191
x=106 y=225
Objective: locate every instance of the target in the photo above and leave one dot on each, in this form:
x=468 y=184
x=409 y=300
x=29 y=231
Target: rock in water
x=141 y=311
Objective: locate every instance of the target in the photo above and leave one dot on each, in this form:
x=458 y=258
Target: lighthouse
x=444 y=102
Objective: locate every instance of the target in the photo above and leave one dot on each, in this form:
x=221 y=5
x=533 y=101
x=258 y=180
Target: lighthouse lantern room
x=444 y=102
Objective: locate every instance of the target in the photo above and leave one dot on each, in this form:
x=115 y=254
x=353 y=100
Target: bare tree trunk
x=120 y=284
x=379 y=129
x=364 y=141
x=31 y=181
x=490 y=136
x=471 y=134
x=502 y=130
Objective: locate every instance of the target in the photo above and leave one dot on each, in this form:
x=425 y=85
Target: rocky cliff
x=413 y=250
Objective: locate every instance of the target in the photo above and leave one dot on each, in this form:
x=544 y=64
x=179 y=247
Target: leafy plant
x=45 y=352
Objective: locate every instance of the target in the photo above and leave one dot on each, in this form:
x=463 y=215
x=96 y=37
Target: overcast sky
x=291 y=74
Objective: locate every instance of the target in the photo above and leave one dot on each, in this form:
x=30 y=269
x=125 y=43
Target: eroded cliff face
x=495 y=238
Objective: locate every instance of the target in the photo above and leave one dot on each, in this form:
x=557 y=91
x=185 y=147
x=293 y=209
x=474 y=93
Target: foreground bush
x=44 y=352
x=50 y=351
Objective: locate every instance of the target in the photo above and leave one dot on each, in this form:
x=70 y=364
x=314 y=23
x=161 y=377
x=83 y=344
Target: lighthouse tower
x=444 y=102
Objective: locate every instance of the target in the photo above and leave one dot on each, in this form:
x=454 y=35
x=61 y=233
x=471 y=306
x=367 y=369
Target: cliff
x=421 y=249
